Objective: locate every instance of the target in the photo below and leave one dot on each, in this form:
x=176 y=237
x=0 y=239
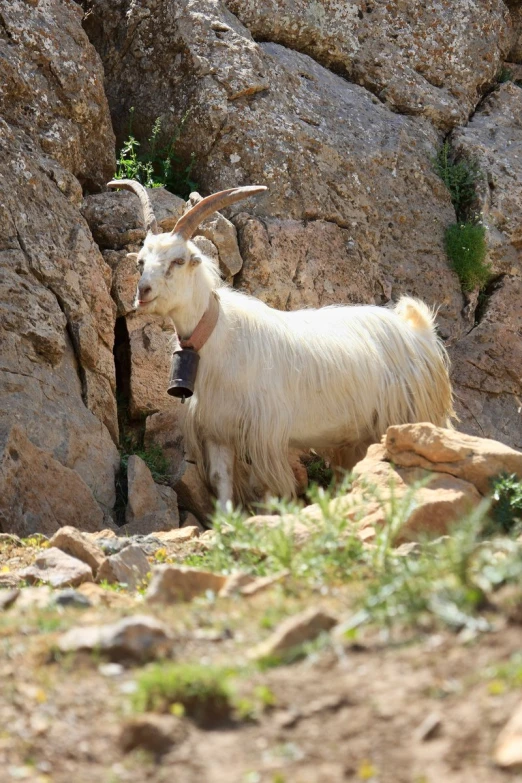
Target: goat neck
x=188 y=314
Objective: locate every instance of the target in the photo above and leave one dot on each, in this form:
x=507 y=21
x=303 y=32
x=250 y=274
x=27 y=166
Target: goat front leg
x=221 y=472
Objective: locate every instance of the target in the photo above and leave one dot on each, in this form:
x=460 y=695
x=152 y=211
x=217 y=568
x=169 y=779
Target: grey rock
x=138 y=638
x=130 y=566
x=57 y=569
x=71 y=598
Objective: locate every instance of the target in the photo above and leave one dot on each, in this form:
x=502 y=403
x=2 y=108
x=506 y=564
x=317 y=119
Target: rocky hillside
x=340 y=108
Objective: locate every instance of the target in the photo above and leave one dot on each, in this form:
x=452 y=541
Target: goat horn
x=149 y=218
x=188 y=223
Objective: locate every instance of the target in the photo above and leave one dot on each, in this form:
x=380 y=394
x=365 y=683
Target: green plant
x=201 y=690
x=158 y=165
x=319 y=472
x=505 y=75
x=506 y=511
x=466 y=248
x=460 y=177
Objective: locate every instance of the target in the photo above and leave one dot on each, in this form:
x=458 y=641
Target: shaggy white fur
x=331 y=379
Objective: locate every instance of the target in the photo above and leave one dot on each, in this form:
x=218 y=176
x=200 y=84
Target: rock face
x=429 y=59
x=488 y=359
x=57 y=318
x=37 y=493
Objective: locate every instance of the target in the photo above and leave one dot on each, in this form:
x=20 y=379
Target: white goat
x=331 y=379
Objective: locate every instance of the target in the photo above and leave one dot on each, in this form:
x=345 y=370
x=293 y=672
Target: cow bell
x=183 y=371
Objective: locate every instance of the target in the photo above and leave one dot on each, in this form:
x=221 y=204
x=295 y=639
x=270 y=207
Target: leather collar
x=205 y=327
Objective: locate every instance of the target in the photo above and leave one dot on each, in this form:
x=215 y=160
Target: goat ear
x=195 y=260
x=133 y=257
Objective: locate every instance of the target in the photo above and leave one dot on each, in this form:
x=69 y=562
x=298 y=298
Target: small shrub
x=158 y=166
x=319 y=472
x=459 y=177
x=202 y=692
x=466 y=248
x=506 y=511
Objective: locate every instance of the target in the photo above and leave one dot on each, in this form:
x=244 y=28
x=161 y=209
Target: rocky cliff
x=340 y=108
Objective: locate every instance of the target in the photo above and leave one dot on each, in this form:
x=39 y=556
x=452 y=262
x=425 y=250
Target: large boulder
x=430 y=59
x=57 y=318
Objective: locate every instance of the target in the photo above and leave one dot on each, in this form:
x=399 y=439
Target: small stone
x=302 y=627
x=429 y=727
x=57 y=569
x=154 y=733
x=101 y=534
x=34 y=598
x=8 y=597
x=263 y=583
x=170 y=584
x=178 y=536
x=139 y=638
x=508 y=748
x=71 y=598
x=74 y=543
x=101 y=597
x=130 y=566
x=234 y=583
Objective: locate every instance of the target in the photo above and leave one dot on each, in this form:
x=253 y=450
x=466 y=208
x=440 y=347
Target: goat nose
x=144 y=291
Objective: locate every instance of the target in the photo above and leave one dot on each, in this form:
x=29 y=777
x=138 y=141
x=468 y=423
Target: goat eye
x=174 y=263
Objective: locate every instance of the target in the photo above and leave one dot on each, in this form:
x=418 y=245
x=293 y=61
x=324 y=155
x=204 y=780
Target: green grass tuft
x=198 y=691
x=467 y=249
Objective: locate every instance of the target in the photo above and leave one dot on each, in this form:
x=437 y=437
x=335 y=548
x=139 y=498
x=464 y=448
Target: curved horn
x=149 y=217
x=188 y=223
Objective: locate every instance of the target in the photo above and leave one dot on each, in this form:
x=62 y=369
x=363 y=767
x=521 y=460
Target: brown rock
x=466 y=457
x=73 y=543
x=263 y=583
x=508 y=748
x=8 y=597
x=57 y=569
x=171 y=584
x=130 y=566
x=234 y=584
x=151 y=507
x=153 y=733
x=439 y=503
x=38 y=493
x=138 y=638
x=303 y=627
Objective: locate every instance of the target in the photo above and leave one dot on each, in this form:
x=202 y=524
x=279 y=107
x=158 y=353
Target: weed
x=507 y=674
x=466 y=248
x=505 y=75
x=158 y=166
x=506 y=511
x=460 y=177
x=203 y=691
x=319 y=472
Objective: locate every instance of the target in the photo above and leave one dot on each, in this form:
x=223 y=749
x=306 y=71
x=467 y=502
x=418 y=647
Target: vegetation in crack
x=158 y=165
x=464 y=241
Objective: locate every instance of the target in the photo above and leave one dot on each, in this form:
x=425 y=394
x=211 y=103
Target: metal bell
x=183 y=371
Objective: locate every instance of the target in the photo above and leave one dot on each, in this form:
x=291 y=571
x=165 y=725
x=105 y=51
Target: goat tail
x=417 y=314
x=434 y=397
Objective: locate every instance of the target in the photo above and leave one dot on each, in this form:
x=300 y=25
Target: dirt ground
x=412 y=709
